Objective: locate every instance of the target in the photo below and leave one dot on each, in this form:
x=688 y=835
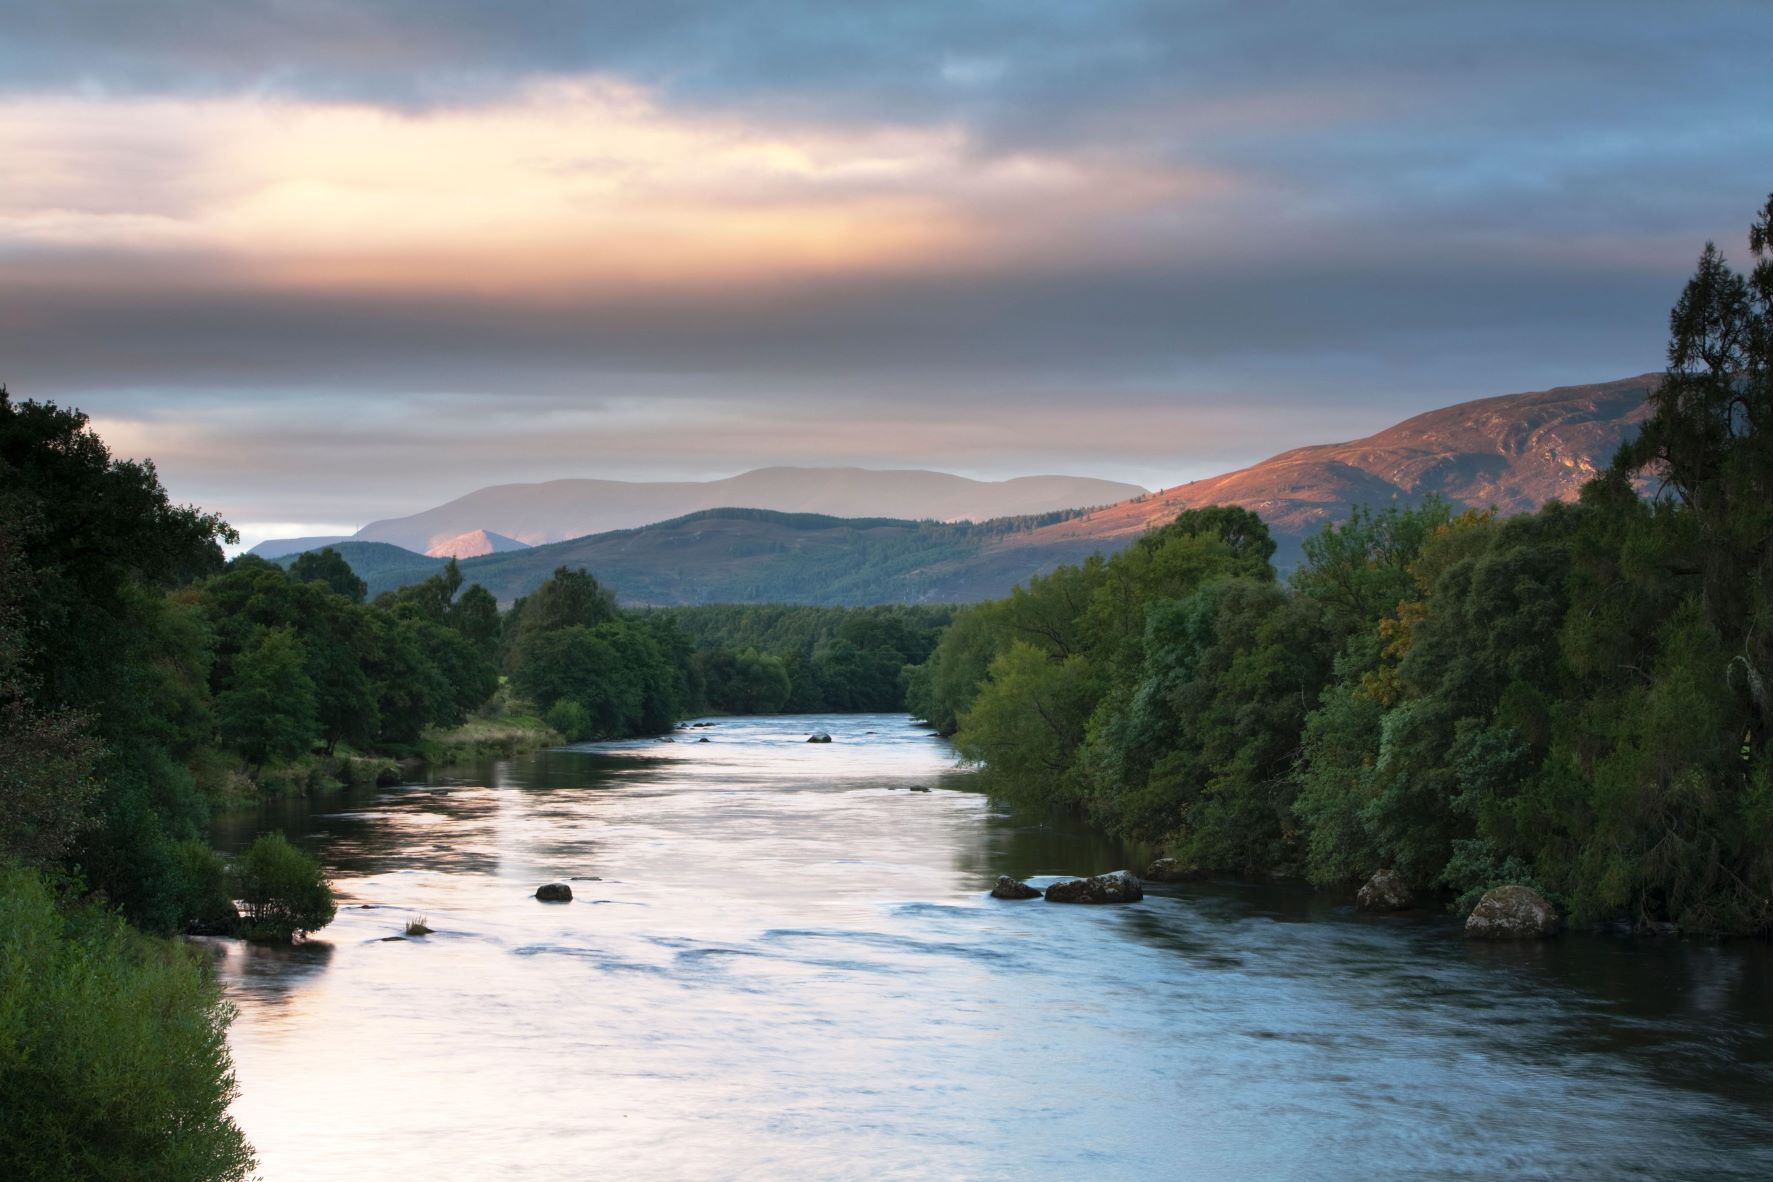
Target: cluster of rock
x=1170 y=870
x=1010 y=888
x=1119 y=887
x=1384 y=891
x=1512 y=913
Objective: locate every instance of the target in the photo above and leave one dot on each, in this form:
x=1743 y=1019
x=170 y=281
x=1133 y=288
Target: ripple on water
x=791 y=970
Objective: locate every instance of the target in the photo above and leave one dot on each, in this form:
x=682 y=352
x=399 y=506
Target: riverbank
x=506 y=728
x=505 y=733
x=781 y=961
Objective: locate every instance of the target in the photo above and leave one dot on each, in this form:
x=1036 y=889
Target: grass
x=417 y=927
x=505 y=727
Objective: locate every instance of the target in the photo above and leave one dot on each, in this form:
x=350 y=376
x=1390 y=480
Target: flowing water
x=781 y=962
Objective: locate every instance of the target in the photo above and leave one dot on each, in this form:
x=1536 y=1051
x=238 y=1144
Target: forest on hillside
x=1575 y=699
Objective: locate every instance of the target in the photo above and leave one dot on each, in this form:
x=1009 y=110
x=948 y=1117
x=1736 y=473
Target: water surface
x=790 y=969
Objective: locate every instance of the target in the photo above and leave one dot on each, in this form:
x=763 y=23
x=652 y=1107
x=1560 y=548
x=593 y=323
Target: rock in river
x=554 y=892
x=1119 y=887
x=1512 y=913
x=1170 y=870
x=1384 y=891
x=819 y=737
x=1009 y=888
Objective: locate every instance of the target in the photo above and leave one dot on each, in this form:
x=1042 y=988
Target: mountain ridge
x=559 y=510
x=1512 y=452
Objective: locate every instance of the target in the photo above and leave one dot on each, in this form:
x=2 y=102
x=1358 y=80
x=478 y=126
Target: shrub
x=113 y=1051
x=570 y=719
x=283 y=892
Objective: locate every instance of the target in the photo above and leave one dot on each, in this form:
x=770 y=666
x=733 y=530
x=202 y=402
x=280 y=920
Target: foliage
x=596 y=672
x=829 y=658
x=1576 y=698
x=267 y=710
x=283 y=892
x=113 y=1056
x=326 y=566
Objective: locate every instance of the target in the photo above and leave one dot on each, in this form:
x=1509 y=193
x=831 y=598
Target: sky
x=327 y=262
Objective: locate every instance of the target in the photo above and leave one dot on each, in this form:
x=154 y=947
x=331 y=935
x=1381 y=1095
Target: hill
x=382 y=566
x=558 y=510
x=1513 y=452
x=750 y=556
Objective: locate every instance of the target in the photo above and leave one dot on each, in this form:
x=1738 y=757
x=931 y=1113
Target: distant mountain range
x=510 y=516
x=1513 y=453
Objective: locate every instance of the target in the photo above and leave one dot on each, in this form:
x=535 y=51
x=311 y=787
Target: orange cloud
x=573 y=183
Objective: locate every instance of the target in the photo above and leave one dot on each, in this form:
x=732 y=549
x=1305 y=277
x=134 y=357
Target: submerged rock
x=1118 y=887
x=1170 y=870
x=818 y=737
x=919 y=788
x=1384 y=891
x=1512 y=913
x=1010 y=888
x=554 y=892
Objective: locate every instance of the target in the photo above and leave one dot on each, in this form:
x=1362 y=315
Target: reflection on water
x=780 y=962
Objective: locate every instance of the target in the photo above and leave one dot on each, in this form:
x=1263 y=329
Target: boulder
x=818 y=737
x=387 y=776
x=554 y=892
x=1009 y=888
x=1512 y=913
x=1118 y=887
x=1170 y=870
x=1384 y=891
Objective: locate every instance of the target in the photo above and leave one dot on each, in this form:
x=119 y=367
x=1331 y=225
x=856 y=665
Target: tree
x=328 y=567
x=267 y=711
x=283 y=891
x=113 y=1050
x=47 y=756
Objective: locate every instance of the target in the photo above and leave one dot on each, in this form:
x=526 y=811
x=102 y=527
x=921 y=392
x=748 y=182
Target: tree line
x=1576 y=699
x=799 y=659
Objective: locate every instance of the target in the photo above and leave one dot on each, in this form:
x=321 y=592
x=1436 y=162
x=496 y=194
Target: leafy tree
x=267 y=711
x=283 y=891
x=326 y=566
x=47 y=757
x=113 y=1050
x=475 y=616
x=569 y=599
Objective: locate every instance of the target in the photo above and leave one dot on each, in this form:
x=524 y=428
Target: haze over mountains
x=1513 y=453
x=510 y=516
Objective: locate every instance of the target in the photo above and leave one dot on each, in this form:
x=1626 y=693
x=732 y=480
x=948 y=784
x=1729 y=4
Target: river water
x=790 y=968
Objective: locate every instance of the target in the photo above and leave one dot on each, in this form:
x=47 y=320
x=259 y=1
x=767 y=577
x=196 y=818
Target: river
x=781 y=963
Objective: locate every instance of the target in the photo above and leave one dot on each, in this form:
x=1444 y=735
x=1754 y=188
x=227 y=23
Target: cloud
x=415 y=246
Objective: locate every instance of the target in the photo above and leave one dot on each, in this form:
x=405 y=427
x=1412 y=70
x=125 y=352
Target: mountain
x=1513 y=452
x=382 y=566
x=556 y=510
x=473 y=544
x=289 y=547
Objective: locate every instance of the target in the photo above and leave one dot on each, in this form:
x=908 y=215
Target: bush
x=570 y=719
x=282 y=889
x=113 y=1051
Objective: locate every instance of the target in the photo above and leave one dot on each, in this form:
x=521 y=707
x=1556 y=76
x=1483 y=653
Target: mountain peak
x=472 y=544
